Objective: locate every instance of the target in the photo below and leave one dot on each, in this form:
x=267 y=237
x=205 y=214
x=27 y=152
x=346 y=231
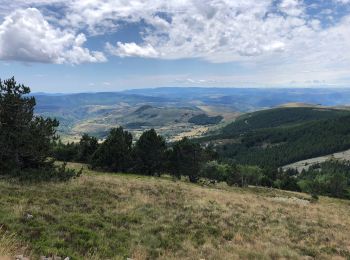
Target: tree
x=186 y=158
x=25 y=139
x=149 y=153
x=214 y=170
x=87 y=147
x=114 y=153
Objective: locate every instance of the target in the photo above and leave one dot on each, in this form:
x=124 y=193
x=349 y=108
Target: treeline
x=26 y=139
x=149 y=155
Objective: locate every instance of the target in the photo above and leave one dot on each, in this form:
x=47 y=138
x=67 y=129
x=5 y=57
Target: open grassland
x=106 y=216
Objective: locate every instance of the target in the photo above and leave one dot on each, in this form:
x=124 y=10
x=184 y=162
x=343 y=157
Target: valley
x=170 y=110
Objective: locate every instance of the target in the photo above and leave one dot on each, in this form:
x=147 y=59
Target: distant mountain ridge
x=98 y=112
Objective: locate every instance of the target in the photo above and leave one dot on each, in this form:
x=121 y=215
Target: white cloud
x=25 y=35
x=132 y=49
x=342 y=1
x=278 y=37
x=292 y=7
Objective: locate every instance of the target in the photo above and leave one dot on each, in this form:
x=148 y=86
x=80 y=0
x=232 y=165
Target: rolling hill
x=104 y=216
x=96 y=113
x=280 y=136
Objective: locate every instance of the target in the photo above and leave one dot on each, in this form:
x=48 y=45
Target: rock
x=45 y=258
x=29 y=216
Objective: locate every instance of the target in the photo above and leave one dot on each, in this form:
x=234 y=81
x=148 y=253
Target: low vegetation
x=104 y=216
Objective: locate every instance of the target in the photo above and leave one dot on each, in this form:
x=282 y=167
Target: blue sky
x=111 y=45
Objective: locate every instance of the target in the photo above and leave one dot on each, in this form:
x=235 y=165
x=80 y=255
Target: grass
x=106 y=216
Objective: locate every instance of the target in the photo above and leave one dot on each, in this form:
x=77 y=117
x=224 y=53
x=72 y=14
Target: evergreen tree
x=86 y=148
x=186 y=158
x=149 y=153
x=114 y=153
x=25 y=139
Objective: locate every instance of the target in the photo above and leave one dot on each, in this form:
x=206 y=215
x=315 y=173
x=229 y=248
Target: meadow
x=116 y=216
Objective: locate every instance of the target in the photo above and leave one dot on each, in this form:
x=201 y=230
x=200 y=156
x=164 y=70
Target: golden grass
x=9 y=245
x=161 y=218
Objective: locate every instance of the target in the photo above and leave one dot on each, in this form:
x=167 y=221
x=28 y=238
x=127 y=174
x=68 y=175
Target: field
x=115 y=216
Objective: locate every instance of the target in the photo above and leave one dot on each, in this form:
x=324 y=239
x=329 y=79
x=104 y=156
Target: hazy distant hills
x=170 y=110
x=246 y=99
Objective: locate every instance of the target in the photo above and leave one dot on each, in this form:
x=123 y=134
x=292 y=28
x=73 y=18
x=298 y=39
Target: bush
x=214 y=170
x=55 y=174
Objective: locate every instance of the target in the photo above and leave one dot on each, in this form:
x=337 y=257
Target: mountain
x=172 y=111
x=280 y=136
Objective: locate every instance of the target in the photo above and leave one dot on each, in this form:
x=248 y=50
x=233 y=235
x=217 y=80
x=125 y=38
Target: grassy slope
x=116 y=216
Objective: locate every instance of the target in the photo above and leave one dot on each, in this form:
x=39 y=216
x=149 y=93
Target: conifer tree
x=25 y=139
x=149 y=153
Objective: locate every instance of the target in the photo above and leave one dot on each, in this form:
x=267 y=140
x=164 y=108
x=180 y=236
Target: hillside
x=280 y=136
x=96 y=113
x=100 y=216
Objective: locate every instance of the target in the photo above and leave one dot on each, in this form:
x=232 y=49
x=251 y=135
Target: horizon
x=195 y=88
x=108 y=46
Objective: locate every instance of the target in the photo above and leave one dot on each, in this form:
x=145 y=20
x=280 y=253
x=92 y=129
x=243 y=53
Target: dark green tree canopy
x=149 y=153
x=186 y=158
x=87 y=147
x=25 y=139
x=114 y=153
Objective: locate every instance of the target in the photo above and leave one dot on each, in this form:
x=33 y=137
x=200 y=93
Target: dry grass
x=117 y=216
x=9 y=245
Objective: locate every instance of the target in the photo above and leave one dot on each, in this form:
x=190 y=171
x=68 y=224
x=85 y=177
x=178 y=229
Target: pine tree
x=185 y=159
x=114 y=153
x=149 y=153
x=87 y=147
x=25 y=139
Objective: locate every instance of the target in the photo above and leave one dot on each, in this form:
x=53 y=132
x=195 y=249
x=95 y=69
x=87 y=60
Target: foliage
x=214 y=170
x=56 y=173
x=149 y=153
x=88 y=145
x=114 y=153
x=185 y=158
x=331 y=178
x=232 y=174
x=65 y=152
x=24 y=138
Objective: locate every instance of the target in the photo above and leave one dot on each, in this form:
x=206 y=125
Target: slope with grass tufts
x=105 y=216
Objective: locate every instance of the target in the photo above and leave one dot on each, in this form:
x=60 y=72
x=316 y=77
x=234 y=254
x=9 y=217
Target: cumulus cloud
x=274 y=36
x=132 y=49
x=25 y=35
x=217 y=31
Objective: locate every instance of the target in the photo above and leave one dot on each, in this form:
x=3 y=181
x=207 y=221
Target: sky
x=111 y=45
